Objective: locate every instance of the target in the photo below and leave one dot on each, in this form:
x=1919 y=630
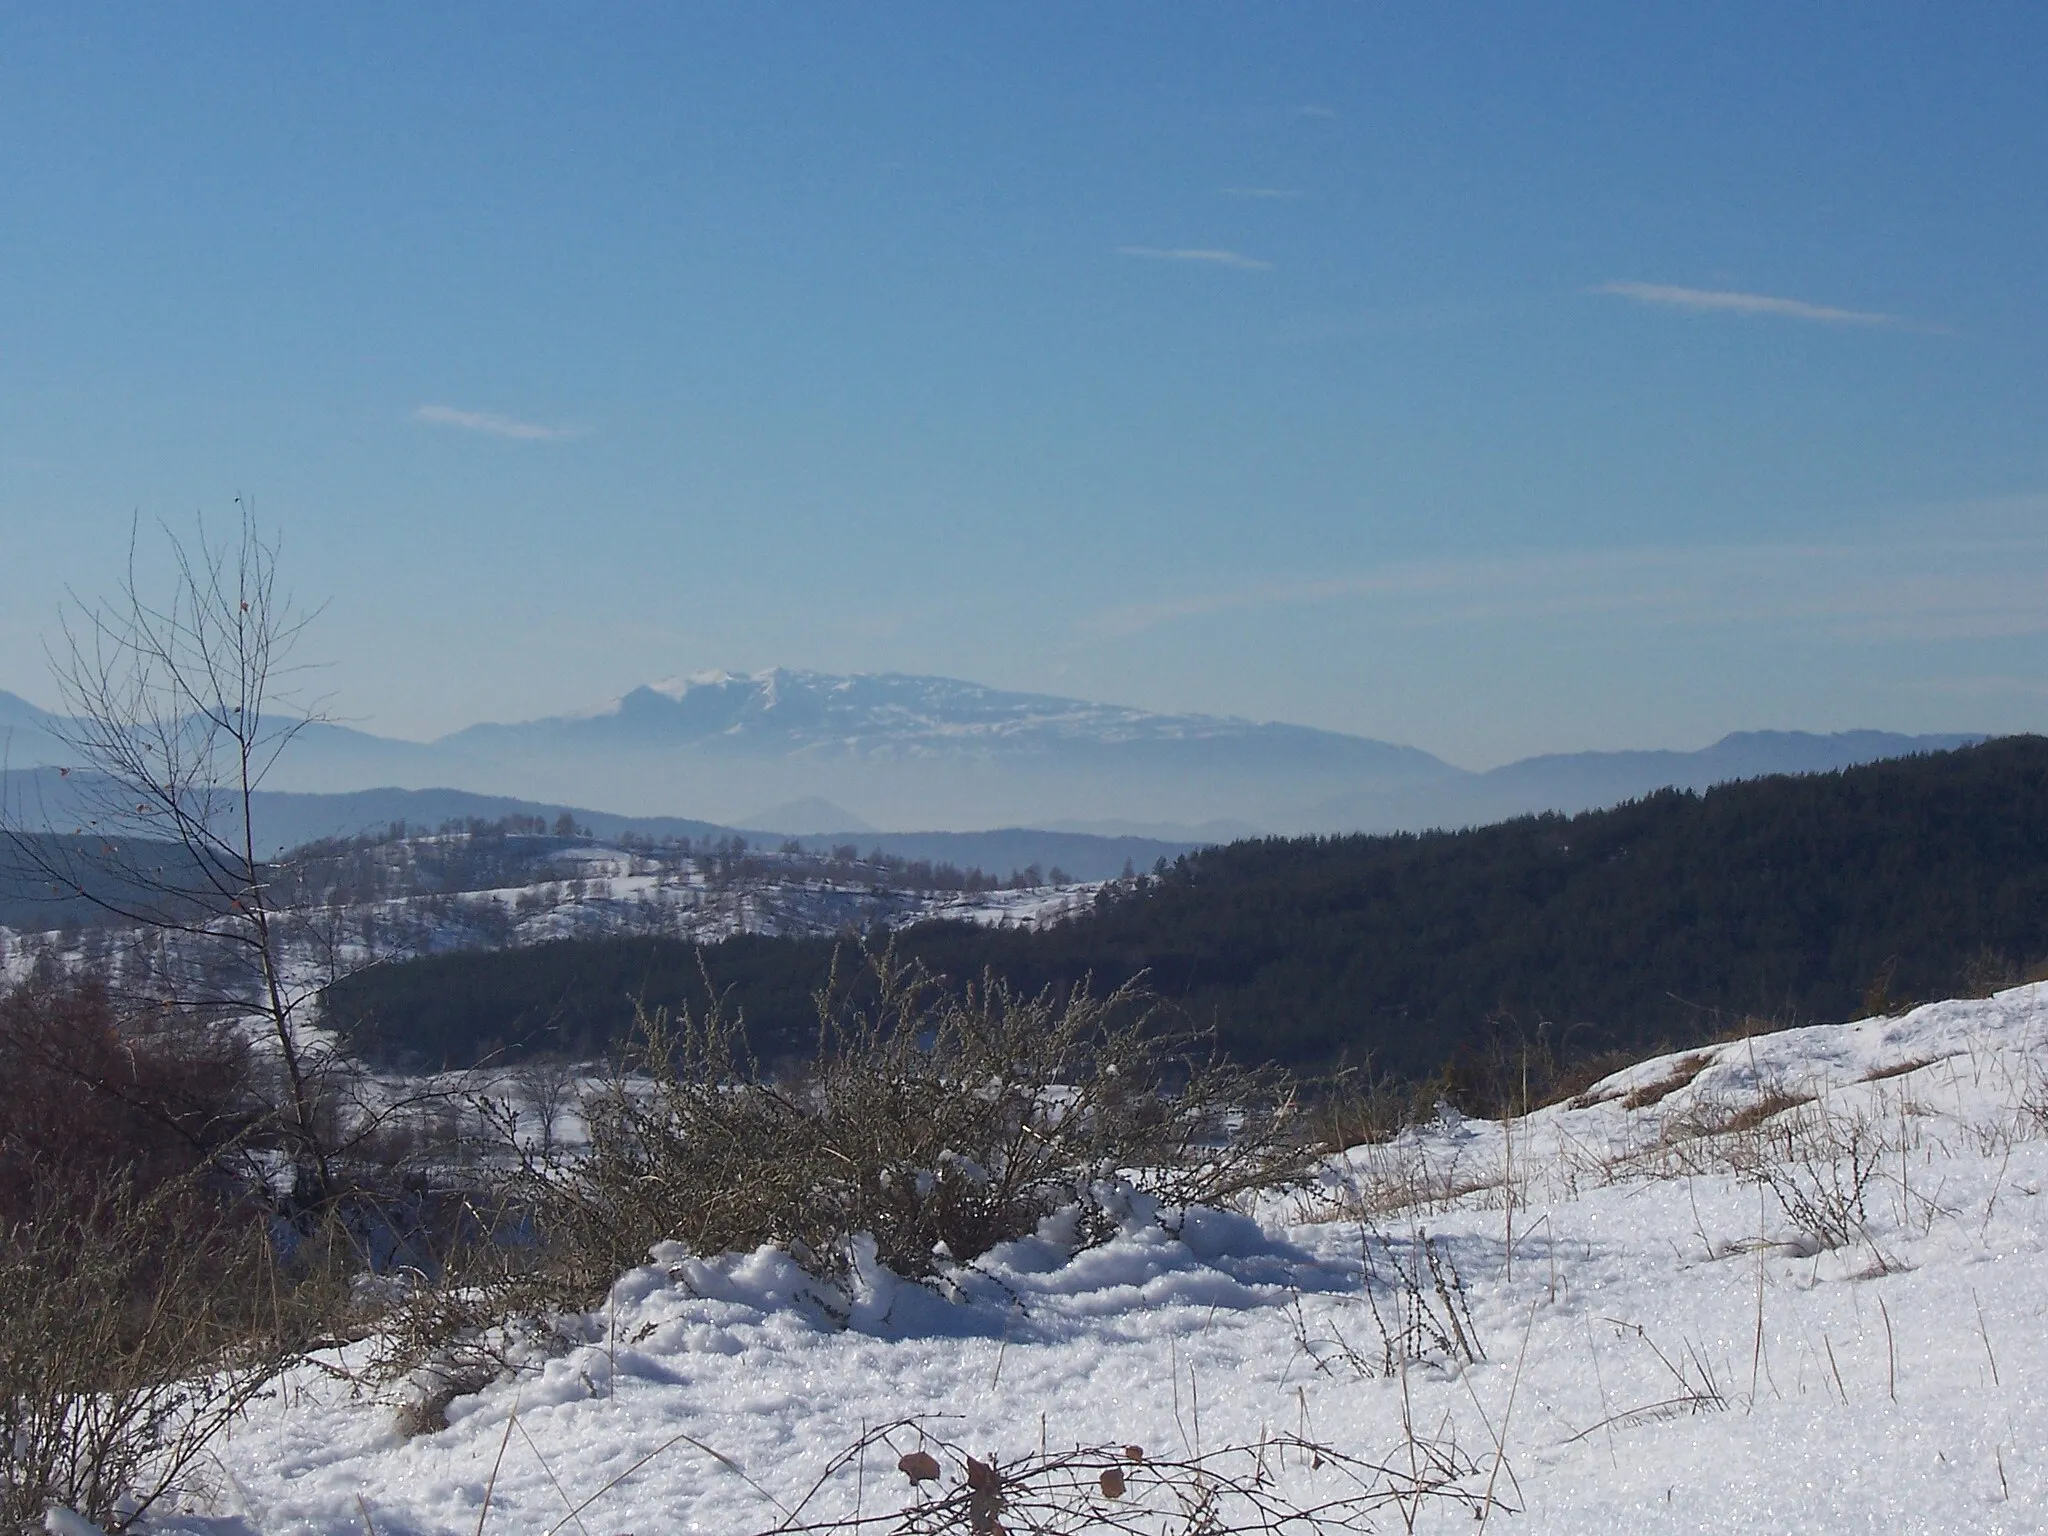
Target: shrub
x=939 y=1120
x=132 y=1330
x=149 y=1284
x=1280 y=1483
x=98 y=1092
x=1819 y=1165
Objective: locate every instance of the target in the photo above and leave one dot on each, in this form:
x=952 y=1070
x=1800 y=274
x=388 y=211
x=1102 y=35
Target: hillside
x=1787 y=1285
x=1665 y=920
x=43 y=801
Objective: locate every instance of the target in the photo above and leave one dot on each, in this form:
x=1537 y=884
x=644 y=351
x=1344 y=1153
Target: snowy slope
x=1665 y=1345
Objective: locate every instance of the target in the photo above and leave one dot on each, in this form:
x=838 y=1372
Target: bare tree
x=178 y=706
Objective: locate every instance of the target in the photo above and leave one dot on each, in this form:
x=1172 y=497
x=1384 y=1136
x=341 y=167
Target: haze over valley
x=809 y=754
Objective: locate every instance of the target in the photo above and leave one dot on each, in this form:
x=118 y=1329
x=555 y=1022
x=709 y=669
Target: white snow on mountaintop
x=827 y=707
x=676 y=687
x=1664 y=1338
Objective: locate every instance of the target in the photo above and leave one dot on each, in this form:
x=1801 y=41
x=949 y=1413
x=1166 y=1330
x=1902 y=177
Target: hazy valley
x=920 y=754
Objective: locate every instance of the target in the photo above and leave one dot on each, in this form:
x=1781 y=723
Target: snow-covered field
x=591 y=893
x=1682 y=1314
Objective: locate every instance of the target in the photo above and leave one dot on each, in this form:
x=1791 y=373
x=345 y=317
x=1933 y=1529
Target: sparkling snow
x=1666 y=1348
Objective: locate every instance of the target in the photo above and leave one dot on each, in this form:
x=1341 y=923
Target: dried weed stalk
x=1818 y=1165
x=1424 y=1318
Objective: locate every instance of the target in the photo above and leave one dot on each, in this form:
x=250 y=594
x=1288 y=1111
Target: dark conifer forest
x=1664 y=921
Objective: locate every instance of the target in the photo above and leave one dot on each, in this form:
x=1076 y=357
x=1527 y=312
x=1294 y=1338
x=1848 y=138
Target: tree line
x=1663 y=921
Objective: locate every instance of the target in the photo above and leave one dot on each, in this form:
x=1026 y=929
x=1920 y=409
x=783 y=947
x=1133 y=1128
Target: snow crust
x=1666 y=1345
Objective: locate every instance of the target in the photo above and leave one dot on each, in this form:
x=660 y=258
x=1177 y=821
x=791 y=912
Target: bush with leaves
x=938 y=1120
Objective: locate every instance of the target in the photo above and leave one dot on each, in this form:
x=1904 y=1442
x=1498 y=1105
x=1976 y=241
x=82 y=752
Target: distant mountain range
x=44 y=800
x=935 y=754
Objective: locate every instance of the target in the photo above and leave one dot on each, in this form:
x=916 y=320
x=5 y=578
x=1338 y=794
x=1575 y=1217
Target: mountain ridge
x=904 y=750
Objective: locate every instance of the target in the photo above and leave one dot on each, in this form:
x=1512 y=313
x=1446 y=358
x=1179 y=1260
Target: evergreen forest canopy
x=1660 y=922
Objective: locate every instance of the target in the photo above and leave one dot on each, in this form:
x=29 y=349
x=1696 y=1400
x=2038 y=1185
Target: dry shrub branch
x=939 y=1120
x=1425 y=1319
x=151 y=1277
x=134 y=1327
x=1819 y=1165
x=1281 y=1484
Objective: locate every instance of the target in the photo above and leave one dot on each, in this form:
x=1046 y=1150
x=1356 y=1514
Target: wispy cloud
x=1235 y=259
x=1724 y=301
x=1274 y=194
x=489 y=423
x=1930 y=587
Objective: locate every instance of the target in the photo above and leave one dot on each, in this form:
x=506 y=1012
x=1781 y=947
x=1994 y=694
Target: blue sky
x=1497 y=379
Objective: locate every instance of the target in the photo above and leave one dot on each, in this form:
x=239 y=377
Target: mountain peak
x=676 y=687
x=933 y=753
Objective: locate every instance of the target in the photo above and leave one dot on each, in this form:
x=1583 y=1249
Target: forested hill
x=1663 y=920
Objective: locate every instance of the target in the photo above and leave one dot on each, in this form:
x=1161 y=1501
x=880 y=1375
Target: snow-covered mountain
x=922 y=752
x=806 y=711
x=932 y=753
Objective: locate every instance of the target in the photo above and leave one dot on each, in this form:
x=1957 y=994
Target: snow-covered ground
x=1661 y=1309
x=602 y=892
x=1032 y=907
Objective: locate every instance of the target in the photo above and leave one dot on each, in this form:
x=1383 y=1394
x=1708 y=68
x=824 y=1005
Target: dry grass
x=1768 y=1105
x=1819 y=1166
x=1681 y=1075
x=1899 y=1068
x=1358 y=1109
x=1403 y=1178
x=1573 y=1084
